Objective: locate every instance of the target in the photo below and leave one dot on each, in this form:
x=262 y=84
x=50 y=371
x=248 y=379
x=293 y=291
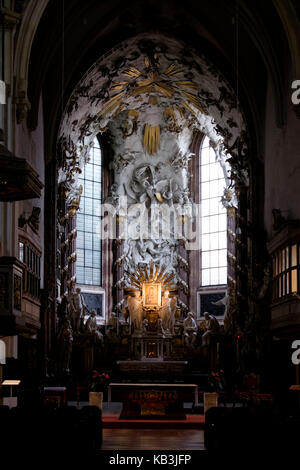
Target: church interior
x=150 y=224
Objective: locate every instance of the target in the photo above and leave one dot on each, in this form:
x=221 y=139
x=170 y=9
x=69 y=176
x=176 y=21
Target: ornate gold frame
x=145 y=289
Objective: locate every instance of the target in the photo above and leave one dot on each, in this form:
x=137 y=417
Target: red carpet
x=191 y=422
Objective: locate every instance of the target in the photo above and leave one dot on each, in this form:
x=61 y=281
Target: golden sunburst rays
x=146 y=274
x=195 y=102
x=134 y=280
x=187 y=84
x=173 y=70
x=153 y=273
x=157 y=267
x=162 y=272
x=151 y=139
x=151 y=270
x=152 y=85
x=116 y=86
x=154 y=82
x=132 y=72
x=113 y=104
x=141 y=275
x=189 y=108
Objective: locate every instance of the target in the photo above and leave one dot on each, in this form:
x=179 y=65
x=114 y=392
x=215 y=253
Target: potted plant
x=98 y=383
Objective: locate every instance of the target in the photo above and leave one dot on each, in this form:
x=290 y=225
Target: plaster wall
x=30 y=145
x=282 y=162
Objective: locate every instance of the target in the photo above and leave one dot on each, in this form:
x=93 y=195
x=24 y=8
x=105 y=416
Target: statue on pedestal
x=136 y=311
x=145 y=324
x=172 y=307
x=113 y=322
x=65 y=344
x=189 y=330
x=77 y=309
x=212 y=326
x=167 y=312
x=92 y=327
x=160 y=328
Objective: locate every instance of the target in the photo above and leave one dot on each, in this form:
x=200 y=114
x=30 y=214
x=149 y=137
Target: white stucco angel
x=136 y=310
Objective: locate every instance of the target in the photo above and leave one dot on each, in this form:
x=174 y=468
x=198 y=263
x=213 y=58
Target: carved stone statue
x=78 y=308
x=34 y=218
x=229 y=301
x=167 y=312
x=64 y=342
x=212 y=326
x=113 y=322
x=164 y=311
x=145 y=324
x=160 y=328
x=189 y=330
x=172 y=307
x=136 y=310
x=262 y=290
x=92 y=327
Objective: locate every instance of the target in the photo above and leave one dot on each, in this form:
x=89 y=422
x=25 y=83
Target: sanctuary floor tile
x=153 y=439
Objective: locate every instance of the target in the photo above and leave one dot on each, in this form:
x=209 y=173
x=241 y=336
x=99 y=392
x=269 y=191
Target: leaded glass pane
x=205 y=277
x=205 y=242
x=205 y=259
x=88 y=264
x=88 y=276
x=214 y=241
x=213 y=218
x=223 y=275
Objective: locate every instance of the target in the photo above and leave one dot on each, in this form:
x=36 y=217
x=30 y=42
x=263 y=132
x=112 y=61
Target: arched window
x=88 y=264
x=213 y=264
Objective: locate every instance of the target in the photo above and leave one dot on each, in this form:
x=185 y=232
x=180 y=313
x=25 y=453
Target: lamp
x=11 y=383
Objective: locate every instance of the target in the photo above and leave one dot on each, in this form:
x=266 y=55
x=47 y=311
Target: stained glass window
x=88 y=264
x=213 y=219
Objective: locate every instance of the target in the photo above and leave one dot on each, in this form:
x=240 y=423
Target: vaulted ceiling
x=245 y=40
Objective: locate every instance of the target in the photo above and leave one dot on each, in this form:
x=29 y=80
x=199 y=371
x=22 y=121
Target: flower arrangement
x=216 y=381
x=99 y=381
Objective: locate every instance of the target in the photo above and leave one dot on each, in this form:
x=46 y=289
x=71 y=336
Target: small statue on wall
x=189 y=330
x=212 y=327
x=65 y=344
x=136 y=310
x=172 y=307
x=167 y=312
x=145 y=324
x=113 y=322
x=92 y=327
x=33 y=220
x=77 y=309
x=160 y=328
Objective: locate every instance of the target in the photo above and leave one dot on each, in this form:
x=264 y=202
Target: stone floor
x=148 y=438
x=153 y=439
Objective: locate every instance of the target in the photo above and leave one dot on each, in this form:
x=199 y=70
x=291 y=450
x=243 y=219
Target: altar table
x=153 y=401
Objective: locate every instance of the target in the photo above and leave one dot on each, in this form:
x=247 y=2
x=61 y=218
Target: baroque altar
x=152 y=307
